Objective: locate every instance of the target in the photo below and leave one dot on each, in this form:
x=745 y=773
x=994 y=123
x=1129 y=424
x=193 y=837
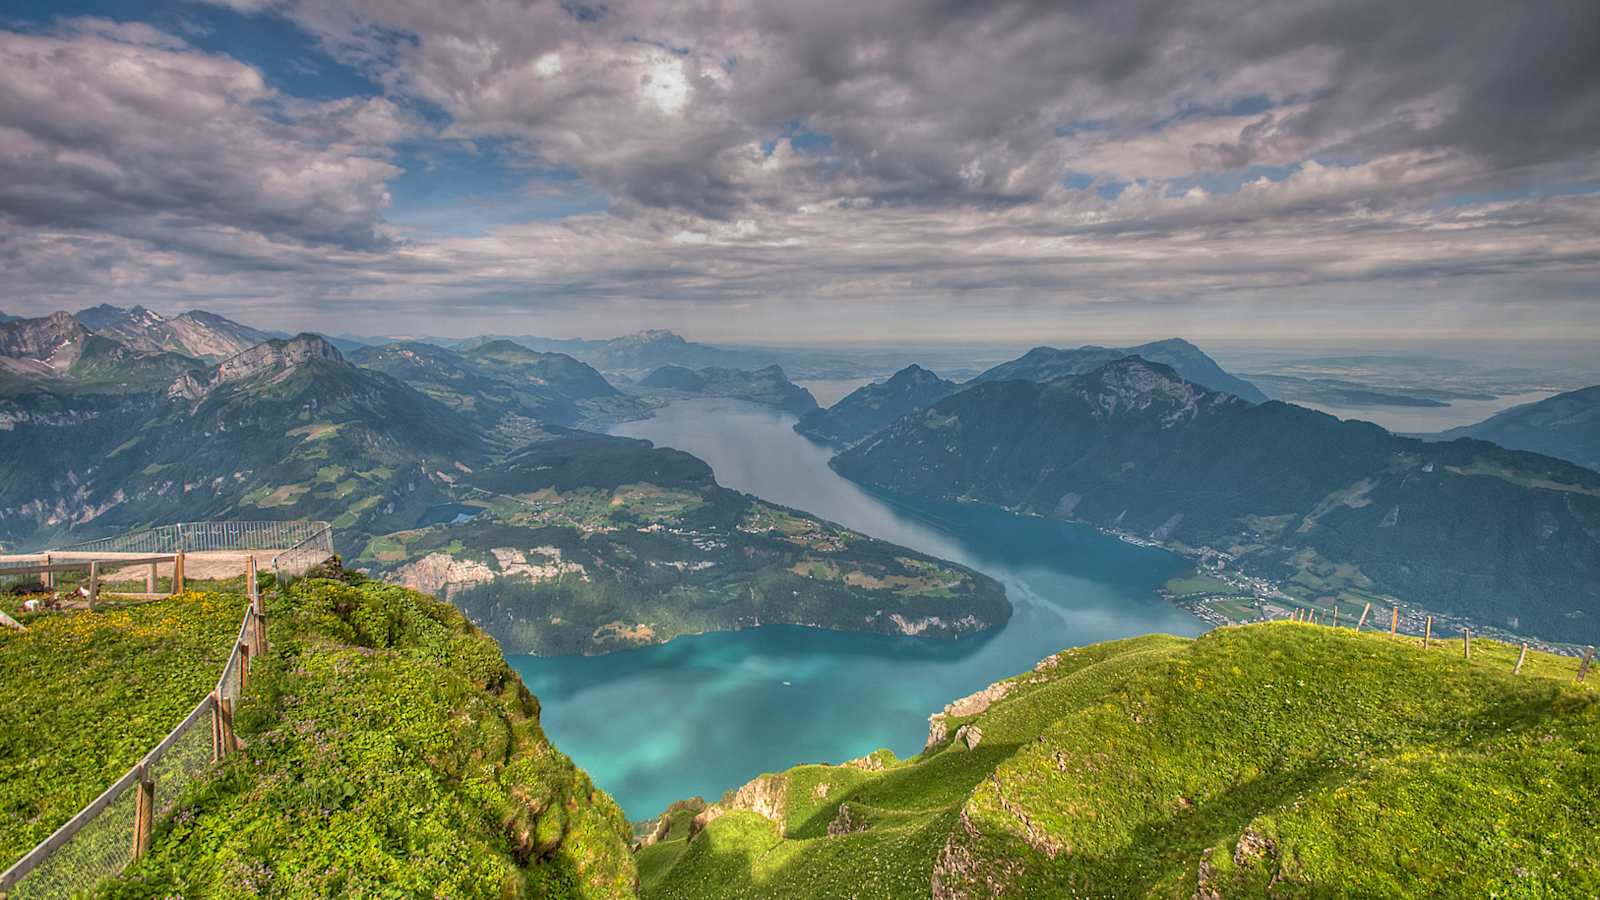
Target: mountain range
x=195 y=333
x=1462 y=526
x=453 y=472
x=1566 y=426
x=874 y=406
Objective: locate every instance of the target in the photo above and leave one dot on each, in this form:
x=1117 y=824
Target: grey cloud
x=938 y=101
x=123 y=129
x=952 y=126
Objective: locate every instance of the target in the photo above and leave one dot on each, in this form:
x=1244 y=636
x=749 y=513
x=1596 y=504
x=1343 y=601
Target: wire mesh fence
x=315 y=549
x=95 y=843
x=111 y=832
x=197 y=537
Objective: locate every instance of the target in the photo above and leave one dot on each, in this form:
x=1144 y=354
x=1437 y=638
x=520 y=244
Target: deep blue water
x=705 y=713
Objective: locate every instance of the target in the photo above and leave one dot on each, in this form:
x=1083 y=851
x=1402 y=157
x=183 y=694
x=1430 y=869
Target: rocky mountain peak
x=55 y=340
x=913 y=374
x=1136 y=384
x=275 y=357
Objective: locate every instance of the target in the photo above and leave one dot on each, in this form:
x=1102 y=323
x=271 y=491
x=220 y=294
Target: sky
x=808 y=171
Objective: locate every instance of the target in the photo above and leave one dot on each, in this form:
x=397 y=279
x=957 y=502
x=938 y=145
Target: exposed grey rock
x=845 y=823
x=969 y=735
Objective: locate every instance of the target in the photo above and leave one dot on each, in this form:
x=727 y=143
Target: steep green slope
x=509 y=406
x=1464 y=527
x=1566 y=426
x=585 y=544
x=389 y=751
x=86 y=694
x=297 y=433
x=873 y=407
x=1281 y=759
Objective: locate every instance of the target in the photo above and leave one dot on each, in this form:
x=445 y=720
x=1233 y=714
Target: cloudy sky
x=810 y=170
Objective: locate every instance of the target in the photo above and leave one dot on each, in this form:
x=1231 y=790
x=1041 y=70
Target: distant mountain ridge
x=635 y=352
x=196 y=333
x=1464 y=526
x=768 y=386
x=1189 y=361
x=872 y=407
x=1566 y=426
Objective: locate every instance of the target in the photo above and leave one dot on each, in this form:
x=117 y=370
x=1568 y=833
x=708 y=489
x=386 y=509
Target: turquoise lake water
x=702 y=714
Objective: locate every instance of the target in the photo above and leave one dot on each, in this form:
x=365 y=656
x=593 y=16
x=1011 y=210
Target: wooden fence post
x=49 y=576
x=177 y=572
x=1394 y=622
x=1364 y=610
x=217 y=751
x=250 y=580
x=230 y=743
x=1517 y=669
x=1427 y=633
x=151 y=578
x=244 y=665
x=144 y=813
x=1466 y=643
x=94 y=582
x=1588 y=657
x=261 y=634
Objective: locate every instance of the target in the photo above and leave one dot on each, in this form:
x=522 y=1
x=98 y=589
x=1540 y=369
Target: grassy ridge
x=86 y=695
x=389 y=752
x=1311 y=760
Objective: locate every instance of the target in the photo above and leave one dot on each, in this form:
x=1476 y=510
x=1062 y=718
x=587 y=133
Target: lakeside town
x=1220 y=593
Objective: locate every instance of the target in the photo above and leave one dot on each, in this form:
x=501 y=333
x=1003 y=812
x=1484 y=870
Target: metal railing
x=117 y=827
x=196 y=537
x=313 y=550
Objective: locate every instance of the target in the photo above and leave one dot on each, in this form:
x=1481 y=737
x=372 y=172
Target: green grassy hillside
x=1282 y=759
x=389 y=752
x=87 y=694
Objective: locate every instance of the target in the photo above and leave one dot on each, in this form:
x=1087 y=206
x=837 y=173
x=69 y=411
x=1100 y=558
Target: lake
x=706 y=713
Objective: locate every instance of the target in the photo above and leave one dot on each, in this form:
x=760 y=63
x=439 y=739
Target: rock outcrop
x=766 y=796
x=970 y=705
x=846 y=822
x=269 y=358
x=53 y=342
x=275 y=355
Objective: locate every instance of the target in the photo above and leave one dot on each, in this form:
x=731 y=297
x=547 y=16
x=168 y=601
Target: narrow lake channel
x=705 y=713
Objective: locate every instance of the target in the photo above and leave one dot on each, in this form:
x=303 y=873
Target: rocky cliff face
x=269 y=357
x=276 y=356
x=54 y=341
